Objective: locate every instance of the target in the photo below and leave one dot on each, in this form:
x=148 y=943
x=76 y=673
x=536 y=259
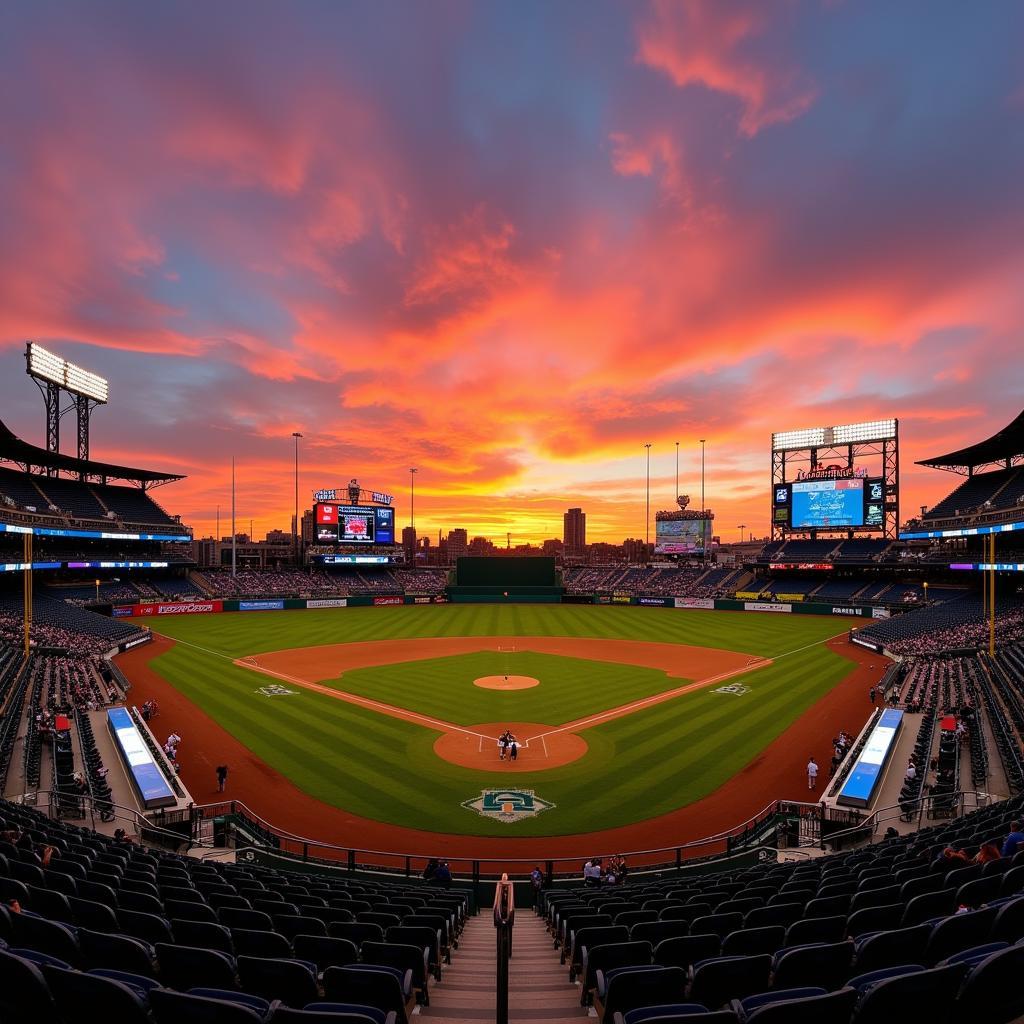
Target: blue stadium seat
x=326 y=952
x=959 y=932
x=45 y=936
x=627 y=988
x=921 y=995
x=24 y=994
x=373 y=986
x=722 y=979
x=834 y=1007
x=185 y=967
x=87 y=995
x=892 y=948
x=174 y=1007
x=102 y=950
x=993 y=991
x=291 y=981
x=824 y=963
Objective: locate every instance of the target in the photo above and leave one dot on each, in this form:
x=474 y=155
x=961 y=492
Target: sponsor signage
x=695 y=602
x=328 y=602
x=863 y=780
x=847 y=611
x=261 y=606
x=621 y=599
x=175 y=608
x=869 y=644
x=800 y=565
x=659 y=602
x=396 y=599
x=123 y=611
x=439 y=599
x=353 y=559
x=331 y=494
x=508 y=805
x=19 y=566
x=143 y=770
x=790 y=597
x=117 y=565
x=833 y=472
x=765 y=606
x=421 y=600
x=990 y=566
x=602 y=599
x=135 y=643
x=879 y=613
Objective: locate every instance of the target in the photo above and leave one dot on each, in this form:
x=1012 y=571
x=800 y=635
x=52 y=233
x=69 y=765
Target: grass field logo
x=273 y=690
x=735 y=689
x=508 y=804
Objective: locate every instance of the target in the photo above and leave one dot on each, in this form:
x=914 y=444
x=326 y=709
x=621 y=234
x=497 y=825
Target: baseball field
x=622 y=715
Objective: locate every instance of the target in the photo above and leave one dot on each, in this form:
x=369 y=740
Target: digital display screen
x=860 y=784
x=826 y=504
x=681 y=536
x=354 y=524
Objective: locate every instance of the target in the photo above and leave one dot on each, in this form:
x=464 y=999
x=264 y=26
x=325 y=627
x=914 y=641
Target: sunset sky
x=508 y=243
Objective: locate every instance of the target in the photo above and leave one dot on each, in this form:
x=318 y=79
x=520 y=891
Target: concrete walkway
x=539 y=987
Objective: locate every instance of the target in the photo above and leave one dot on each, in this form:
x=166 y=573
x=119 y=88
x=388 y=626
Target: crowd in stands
x=955 y=625
x=677 y=581
x=295 y=582
x=63 y=626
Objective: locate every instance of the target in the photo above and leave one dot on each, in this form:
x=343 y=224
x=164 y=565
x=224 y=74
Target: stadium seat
x=834 y=1007
x=922 y=995
x=748 y=941
x=992 y=990
x=380 y=987
x=686 y=950
x=185 y=967
x=959 y=932
x=719 y=980
x=78 y=995
x=607 y=957
x=892 y=948
x=24 y=994
x=100 y=949
x=174 y=1007
x=825 y=964
x=291 y=981
x=50 y=937
x=325 y=952
x=627 y=988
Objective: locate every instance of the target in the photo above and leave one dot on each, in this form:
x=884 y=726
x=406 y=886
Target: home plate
x=506 y=682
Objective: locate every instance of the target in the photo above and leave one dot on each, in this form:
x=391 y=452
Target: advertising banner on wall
x=622 y=599
x=331 y=602
x=261 y=606
x=706 y=603
x=748 y=595
x=879 y=613
x=658 y=602
x=764 y=606
x=790 y=597
x=389 y=600
x=175 y=608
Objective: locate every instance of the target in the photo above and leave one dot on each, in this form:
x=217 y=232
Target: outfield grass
x=379 y=767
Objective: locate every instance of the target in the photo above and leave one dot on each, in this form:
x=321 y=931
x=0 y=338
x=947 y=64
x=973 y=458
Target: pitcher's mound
x=478 y=747
x=506 y=682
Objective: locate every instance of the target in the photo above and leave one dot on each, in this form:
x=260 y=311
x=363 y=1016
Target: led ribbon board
x=46 y=531
x=860 y=785
x=145 y=773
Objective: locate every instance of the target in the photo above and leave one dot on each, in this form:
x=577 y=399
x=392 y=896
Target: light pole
x=412 y=497
x=676 y=495
x=295 y=527
x=743 y=526
x=647 y=520
x=703 y=517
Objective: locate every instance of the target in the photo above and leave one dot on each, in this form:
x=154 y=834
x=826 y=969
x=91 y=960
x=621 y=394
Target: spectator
x=988 y=852
x=1013 y=840
x=812 y=774
x=222 y=777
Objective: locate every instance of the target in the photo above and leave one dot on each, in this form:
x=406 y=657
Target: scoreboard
x=354 y=524
x=829 y=504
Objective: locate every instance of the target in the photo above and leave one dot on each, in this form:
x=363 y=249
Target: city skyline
x=511 y=245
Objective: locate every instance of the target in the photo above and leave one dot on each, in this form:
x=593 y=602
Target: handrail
x=202 y=811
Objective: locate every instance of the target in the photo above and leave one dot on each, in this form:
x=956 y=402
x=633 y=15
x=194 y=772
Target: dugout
x=523 y=579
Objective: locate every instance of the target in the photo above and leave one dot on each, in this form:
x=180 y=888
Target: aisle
x=539 y=988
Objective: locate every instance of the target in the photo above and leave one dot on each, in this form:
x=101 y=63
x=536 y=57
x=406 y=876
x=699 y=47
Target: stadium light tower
x=743 y=526
x=412 y=497
x=647 y=520
x=295 y=524
x=674 y=496
x=704 y=521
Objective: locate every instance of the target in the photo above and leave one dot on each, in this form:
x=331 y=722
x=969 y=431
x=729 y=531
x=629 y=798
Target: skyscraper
x=574 y=531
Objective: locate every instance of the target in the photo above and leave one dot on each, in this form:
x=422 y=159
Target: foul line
x=578 y=725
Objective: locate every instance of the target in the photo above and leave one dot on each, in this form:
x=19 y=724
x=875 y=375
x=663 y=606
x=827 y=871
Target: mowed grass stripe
x=242 y=633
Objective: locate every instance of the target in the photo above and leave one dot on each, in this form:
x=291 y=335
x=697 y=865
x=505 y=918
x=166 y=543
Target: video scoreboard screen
x=830 y=504
x=682 y=536
x=354 y=524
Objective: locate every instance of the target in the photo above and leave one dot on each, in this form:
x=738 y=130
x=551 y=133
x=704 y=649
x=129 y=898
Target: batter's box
x=736 y=689
x=273 y=690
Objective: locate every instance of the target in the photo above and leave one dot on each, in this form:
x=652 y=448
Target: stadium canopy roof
x=1001 y=448
x=13 y=449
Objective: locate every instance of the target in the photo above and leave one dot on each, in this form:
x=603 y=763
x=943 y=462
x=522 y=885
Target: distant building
x=574 y=531
x=409 y=541
x=480 y=547
x=458 y=544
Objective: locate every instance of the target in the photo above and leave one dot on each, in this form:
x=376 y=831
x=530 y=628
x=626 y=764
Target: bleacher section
x=57 y=624
x=110 y=929
x=1003 y=488
x=951 y=625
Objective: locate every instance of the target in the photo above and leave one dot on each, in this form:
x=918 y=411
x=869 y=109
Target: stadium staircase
x=539 y=990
